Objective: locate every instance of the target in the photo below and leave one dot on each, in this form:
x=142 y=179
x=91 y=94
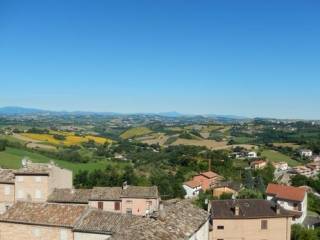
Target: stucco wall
x=89 y=236
x=29 y=185
x=217 y=192
x=250 y=229
x=9 y=231
x=191 y=192
x=139 y=206
x=202 y=233
x=107 y=205
x=60 y=178
x=6 y=192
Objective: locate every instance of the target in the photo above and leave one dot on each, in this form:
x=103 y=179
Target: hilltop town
x=94 y=176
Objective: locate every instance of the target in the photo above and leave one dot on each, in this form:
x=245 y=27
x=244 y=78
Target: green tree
x=248 y=179
x=3 y=145
x=250 y=194
x=260 y=184
x=225 y=196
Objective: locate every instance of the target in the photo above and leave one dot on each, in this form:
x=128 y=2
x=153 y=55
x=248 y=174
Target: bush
x=59 y=137
x=3 y=145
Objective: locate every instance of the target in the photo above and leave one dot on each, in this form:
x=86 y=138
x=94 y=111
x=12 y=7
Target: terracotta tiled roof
x=210 y=174
x=48 y=214
x=286 y=192
x=180 y=221
x=70 y=195
x=34 y=169
x=229 y=184
x=101 y=194
x=140 y=192
x=99 y=221
x=258 y=162
x=248 y=208
x=6 y=176
x=192 y=184
x=106 y=193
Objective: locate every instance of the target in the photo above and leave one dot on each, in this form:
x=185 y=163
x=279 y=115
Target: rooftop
x=192 y=184
x=70 y=196
x=6 y=176
x=106 y=193
x=210 y=174
x=98 y=221
x=102 y=194
x=140 y=192
x=30 y=168
x=248 y=208
x=47 y=214
x=229 y=184
x=180 y=220
x=286 y=192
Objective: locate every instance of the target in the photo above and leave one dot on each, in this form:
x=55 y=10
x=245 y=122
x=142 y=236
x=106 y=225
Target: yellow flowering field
x=71 y=139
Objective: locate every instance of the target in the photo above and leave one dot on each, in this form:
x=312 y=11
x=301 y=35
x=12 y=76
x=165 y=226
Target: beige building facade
x=249 y=219
x=36 y=181
x=15 y=231
x=7 y=189
x=252 y=229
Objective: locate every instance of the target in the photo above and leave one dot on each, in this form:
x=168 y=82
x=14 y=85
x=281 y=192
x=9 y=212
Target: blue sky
x=249 y=58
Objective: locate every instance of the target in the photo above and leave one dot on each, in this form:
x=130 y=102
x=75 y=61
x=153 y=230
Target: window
x=129 y=210
x=100 y=205
x=63 y=234
x=19 y=178
x=149 y=204
x=264 y=224
x=7 y=190
x=117 y=206
x=38 y=194
x=20 y=194
x=129 y=201
x=220 y=227
x=38 y=179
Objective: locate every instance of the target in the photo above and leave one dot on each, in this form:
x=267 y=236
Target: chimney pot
x=236 y=210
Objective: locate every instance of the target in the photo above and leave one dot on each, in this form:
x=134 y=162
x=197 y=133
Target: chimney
x=162 y=212
x=124 y=185
x=236 y=210
x=277 y=209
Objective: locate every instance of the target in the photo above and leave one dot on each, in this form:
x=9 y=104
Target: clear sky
x=249 y=58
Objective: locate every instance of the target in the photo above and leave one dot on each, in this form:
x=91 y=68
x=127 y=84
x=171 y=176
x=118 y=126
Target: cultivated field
x=135 y=132
x=275 y=156
x=70 y=138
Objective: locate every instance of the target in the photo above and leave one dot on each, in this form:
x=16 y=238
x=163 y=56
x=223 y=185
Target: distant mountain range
x=13 y=110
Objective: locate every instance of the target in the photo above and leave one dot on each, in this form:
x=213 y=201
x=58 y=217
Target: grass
x=71 y=139
x=11 y=158
x=135 y=132
x=275 y=156
x=243 y=140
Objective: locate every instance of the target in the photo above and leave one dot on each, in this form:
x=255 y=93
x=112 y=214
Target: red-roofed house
x=207 y=179
x=258 y=164
x=203 y=181
x=291 y=198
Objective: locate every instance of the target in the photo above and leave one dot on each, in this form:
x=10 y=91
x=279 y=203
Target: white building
x=280 y=166
x=290 y=198
x=306 y=153
x=252 y=155
x=192 y=188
